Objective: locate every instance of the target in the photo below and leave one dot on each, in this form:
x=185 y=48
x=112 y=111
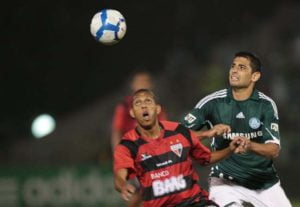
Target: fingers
x=131 y=188
x=240 y=145
x=222 y=129
x=127 y=192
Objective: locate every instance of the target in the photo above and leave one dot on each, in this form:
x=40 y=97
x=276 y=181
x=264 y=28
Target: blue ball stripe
x=103 y=17
x=107 y=26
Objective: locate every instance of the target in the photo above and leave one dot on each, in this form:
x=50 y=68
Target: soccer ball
x=108 y=26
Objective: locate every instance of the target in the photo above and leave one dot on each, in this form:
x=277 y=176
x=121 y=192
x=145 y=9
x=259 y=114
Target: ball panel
x=108 y=26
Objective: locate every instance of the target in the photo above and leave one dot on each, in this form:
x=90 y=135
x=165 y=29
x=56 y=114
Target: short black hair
x=144 y=90
x=255 y=62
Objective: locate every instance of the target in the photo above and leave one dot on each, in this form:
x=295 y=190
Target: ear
x=158 y=109
x=131 y=113
x=255 y=76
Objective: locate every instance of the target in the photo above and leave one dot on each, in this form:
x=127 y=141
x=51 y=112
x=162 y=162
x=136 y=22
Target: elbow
x=274 y=154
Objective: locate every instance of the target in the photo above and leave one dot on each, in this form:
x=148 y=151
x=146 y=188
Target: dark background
x=50 y=63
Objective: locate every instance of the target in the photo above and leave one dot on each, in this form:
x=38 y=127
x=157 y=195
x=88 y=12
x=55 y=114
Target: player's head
x=145 y=108
x=245 y=70
x=140 y=80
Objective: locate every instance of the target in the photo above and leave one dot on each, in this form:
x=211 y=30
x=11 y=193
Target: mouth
x=146 y=116
x=234 y=78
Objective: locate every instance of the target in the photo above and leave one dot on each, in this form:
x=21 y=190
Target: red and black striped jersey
x=163 y=166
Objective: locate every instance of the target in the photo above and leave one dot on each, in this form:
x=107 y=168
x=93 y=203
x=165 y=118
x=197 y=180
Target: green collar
x=254 y=95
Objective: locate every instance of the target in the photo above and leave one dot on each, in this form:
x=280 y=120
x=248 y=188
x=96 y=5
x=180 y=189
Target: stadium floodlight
x=42 y=125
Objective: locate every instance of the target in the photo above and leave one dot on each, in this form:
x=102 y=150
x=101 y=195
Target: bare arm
x=269 y=150
x=125 y=189
x=237 y=145
x=217 y=130
x=220 y=154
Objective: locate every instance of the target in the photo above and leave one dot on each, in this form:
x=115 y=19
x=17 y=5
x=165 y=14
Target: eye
x=137 y=103
x=148 y=101
x=243 y=67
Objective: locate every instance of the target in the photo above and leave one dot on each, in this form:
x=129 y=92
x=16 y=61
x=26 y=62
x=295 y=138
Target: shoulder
x=213 y=96
x=268 y=102
x=174 y=126
x=177 y=128
x=131 y=142
x=169 y=125
x=130 y=135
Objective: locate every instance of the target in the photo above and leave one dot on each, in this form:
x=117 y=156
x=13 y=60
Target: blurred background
x=50 y=64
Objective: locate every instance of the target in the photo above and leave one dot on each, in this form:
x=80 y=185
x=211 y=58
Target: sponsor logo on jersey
x=190 y=118
x=254 y=123
x=240 y=115
x=177 y=149
x=159 y=174
x=250 y=135
x=145 y=156
x=163 y=163
x=274 y=127
x=169 y=185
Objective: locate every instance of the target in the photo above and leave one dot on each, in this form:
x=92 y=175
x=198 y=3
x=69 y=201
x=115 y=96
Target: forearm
x=120 y=179
x=217 y=130
x=269 y=150
x=219 y=155
x=203 y=134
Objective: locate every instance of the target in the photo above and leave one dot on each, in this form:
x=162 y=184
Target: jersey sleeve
x=123 y=159
x=196 y=118
x=199 y=152
x=271 y=124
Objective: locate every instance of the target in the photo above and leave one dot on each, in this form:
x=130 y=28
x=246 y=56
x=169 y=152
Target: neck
x=241 y=94
x=153 y=132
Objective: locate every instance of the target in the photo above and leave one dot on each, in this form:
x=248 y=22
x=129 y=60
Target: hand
x=239 y=145
x=127 y=191
x=219 y=129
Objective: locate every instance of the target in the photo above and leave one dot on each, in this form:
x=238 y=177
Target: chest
x=162 y=153
x=241 y=116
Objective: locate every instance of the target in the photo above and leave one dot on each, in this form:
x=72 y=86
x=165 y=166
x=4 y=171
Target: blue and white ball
x=108 y=26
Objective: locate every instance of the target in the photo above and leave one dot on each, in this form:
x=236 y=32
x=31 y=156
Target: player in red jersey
x=160 y=154
x=122 y=121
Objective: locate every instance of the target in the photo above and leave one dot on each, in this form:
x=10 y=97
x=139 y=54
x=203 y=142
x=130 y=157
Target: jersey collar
x=162 y=134
x=254 y=95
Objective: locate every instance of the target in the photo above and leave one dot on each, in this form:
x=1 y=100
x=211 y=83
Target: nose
x=143 y=105
x=233 y=69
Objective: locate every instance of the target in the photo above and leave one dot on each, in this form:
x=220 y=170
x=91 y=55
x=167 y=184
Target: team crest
x=177 y=149
x=254 y=123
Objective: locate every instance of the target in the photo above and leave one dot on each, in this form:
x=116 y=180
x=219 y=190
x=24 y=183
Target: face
x=241 y=75
x=141 y=81
x=145 y=110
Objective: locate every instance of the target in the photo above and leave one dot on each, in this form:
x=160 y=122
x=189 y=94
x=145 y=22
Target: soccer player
x=248 y=179
x=160 y=154
x=122 y=121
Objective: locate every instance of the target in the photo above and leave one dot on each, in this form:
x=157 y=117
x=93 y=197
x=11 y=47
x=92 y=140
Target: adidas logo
x=240 y=115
